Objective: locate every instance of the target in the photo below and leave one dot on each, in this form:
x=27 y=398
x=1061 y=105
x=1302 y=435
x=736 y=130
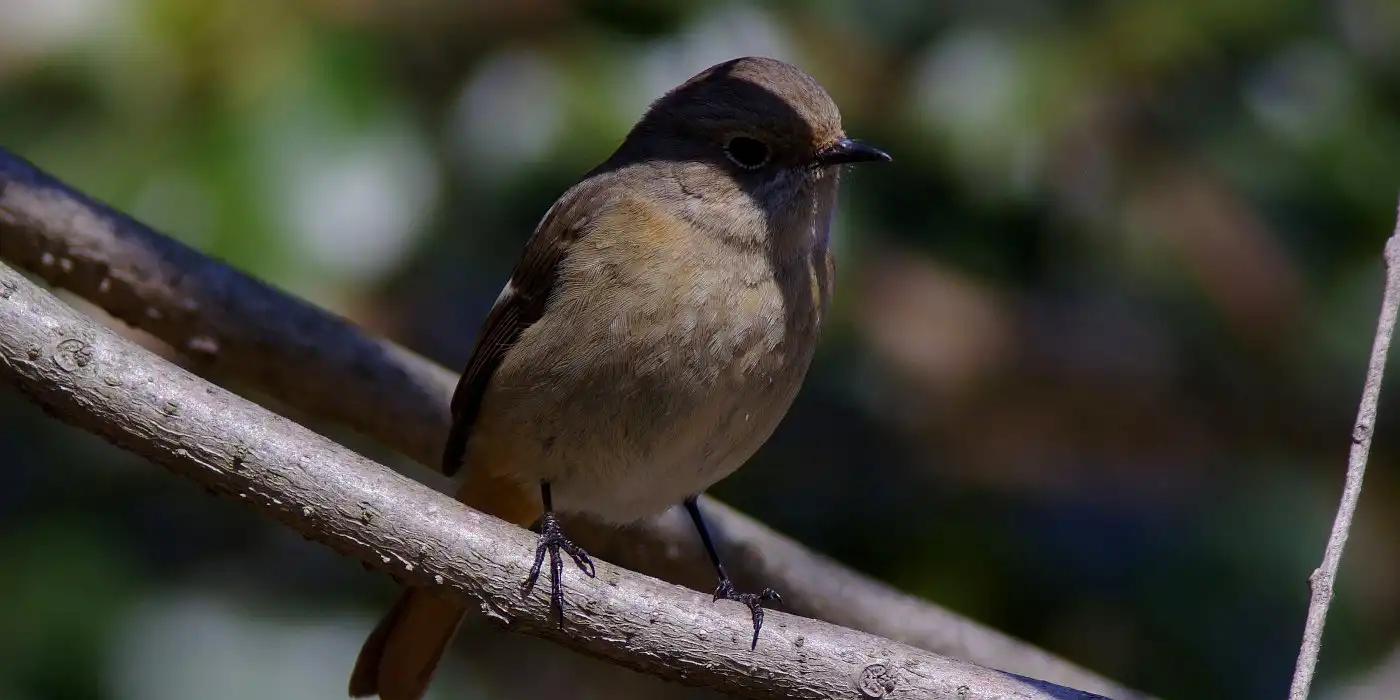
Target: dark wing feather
x=516 y=309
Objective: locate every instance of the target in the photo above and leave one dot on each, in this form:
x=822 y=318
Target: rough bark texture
x=90 y=377
x=321 y=364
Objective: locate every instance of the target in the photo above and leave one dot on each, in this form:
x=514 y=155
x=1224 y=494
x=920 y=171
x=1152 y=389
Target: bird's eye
x=747 y=153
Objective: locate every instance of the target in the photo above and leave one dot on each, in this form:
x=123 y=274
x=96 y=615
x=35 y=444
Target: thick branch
x=1323 y=579
x=220 y=317
x=328 y=368
x=90 y=377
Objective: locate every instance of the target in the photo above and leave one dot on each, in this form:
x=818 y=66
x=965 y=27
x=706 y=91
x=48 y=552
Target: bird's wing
x=520 y=304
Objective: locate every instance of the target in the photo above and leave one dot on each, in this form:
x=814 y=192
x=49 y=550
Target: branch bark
x=1322 y=580
x=90 y=377
x=326 y=367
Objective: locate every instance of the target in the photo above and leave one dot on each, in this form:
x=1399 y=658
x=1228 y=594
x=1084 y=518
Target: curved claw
x=770 y=594
x=581 y=559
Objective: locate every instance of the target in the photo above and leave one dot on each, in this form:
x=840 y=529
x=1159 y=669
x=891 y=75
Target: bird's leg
x=552 y=540
x=725 y=590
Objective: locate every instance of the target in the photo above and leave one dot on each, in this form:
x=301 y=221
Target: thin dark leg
x=726 y=587
x=552 y=540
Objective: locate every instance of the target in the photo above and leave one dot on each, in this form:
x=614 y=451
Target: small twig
x=1322 y=580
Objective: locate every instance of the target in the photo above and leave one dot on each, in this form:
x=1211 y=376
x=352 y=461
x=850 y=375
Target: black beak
x=851 y=151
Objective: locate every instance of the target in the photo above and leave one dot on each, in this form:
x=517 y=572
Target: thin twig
x=240 y=328
x=92 y=378
x=1324 y=578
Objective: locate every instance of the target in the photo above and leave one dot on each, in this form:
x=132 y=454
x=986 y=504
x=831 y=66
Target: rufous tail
x=399 y=657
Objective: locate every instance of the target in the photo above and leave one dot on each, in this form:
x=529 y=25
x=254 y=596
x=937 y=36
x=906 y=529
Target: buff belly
x=624 y=423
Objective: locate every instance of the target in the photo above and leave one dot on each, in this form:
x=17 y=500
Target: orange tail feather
x=399 y=657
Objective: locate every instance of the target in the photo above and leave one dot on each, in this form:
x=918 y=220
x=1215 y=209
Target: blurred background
x=1098 y=338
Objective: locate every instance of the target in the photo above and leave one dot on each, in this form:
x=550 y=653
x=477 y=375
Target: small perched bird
x=652 y=336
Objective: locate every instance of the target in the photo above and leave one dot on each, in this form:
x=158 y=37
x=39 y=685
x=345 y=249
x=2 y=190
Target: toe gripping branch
x=725 y=591
x=552 y=542
x=754 y=601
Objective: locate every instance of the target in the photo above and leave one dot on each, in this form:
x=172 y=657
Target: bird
x=652 y=336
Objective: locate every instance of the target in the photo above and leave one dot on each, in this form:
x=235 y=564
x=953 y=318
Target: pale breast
x=631 y=395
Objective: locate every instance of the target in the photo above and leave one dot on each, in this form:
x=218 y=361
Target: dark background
x=1098 y=336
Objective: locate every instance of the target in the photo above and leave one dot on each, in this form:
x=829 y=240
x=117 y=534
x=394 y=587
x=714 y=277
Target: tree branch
x=328 y=368
x=90 y=377
x=1322 y=580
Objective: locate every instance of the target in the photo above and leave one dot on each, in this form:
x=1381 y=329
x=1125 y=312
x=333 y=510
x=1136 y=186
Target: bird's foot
x=754 y=601
x=552 y=541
